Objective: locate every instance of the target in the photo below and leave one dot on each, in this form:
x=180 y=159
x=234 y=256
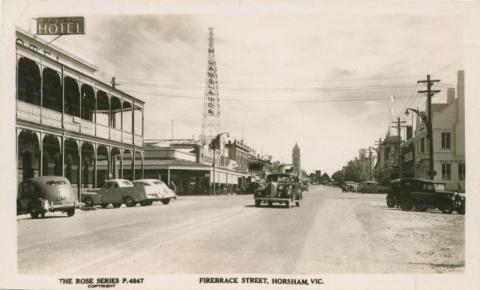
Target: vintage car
x=116 y=192
x=422 y=194
x=155 y=190
x=39 y=195
x=279 y=188
x=350 y=186
x=371 y=187
x=304 y=185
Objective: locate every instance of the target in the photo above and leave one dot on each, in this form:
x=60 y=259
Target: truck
x=118 y=192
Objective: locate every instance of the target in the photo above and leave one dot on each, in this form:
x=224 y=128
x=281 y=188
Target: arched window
x=116 y=113
x=127 y=116
x=72 y=97
x=88 y=102
x=52 y=90
x=28 y=84
x=103 y=109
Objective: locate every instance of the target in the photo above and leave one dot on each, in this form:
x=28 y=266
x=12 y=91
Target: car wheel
x=165 y=201
x=421 y=207
x=447 y=208
x=116 y=205
x=297 y=203
x=287 y=204
x=461 y=210
x=34 y=215
x=129 y=202
x=257 y=203
x=104 y=205
x=71 y=211
x=88 y=202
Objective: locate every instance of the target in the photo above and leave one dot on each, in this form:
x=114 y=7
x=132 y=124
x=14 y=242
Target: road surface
x=331 y=232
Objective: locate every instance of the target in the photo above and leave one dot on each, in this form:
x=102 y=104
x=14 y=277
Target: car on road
x=422 y=194
x=304 y=185
x=279 y=188
x=371 y=187
x=116 y=192
x=155 y=190
x=350 y=186
x=39 y=195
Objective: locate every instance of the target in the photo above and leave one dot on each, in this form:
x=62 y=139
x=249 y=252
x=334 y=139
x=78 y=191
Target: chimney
x=450 y=95
x=409 y=132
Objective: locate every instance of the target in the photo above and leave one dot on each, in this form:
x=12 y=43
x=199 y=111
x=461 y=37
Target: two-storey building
x=68 y=122
x=448 y=122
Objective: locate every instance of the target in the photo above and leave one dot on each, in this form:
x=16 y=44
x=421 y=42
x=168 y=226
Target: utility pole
x=370 y=162
x=430 y=94
x=379 y=158
x=172 y=131
x=399 y=125
x=114 y=83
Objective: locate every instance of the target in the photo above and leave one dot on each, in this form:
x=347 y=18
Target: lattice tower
x=211 y=124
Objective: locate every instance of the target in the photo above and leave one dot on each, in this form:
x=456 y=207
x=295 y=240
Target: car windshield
x=157 y=182
x=127 y=183
x=55 y=182
x=439 y=186
x=279 y=178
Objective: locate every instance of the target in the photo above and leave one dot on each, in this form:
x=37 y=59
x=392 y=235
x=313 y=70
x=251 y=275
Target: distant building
x=386 y=169
x=189 y=164
x=296 y=160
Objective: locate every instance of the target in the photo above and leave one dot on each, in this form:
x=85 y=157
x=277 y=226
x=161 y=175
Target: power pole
x=370 y=162
x=114 y=83
x=399 y=125
x=379 y=159
x=430 y=94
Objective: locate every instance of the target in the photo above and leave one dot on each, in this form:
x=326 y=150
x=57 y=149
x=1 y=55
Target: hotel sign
x=60 y=25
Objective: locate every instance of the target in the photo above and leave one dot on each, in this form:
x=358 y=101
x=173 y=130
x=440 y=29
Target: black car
x=279 y=188
x=422 y=194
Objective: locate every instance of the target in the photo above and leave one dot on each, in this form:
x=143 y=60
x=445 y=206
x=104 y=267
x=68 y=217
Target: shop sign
x=408 y=156
x=60 y=25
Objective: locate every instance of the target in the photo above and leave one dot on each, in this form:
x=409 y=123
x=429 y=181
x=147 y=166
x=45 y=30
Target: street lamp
x=215 y=143
x=428 y=122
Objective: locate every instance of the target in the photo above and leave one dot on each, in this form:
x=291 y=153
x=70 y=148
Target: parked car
x=371 y=187
x=39 y=195
x=156 y=190
x=350 y=186
x=279 y=188
x=422 y=194
x=116 y=192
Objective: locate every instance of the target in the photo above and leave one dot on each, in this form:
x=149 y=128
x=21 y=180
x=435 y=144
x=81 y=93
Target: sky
x=331 y=83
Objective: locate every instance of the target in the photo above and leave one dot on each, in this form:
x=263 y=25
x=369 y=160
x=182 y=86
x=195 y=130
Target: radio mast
x=211 y=125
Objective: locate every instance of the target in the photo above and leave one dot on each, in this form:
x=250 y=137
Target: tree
x=338 y=176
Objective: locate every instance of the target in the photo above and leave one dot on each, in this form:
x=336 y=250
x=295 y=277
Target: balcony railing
x=115 y=135
x=36 y=114
x=127 y=137
x=28 y=112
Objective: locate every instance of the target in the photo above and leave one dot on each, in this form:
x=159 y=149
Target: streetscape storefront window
x=446 y=171
x=446 y=137
x=461 y=171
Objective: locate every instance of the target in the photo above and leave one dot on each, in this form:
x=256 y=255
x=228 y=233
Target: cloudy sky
x=323 y=81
